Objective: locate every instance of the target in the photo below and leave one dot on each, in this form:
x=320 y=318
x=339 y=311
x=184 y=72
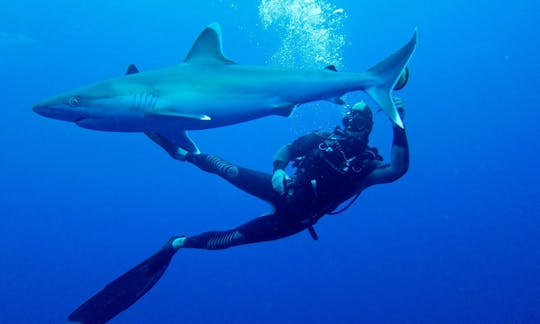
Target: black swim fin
x=125 y=290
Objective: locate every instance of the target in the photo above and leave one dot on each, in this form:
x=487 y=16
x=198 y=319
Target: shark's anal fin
x=207 y=49
x=132 y=69
x=387 y=73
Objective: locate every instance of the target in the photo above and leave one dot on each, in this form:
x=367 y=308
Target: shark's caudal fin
x=387 y=73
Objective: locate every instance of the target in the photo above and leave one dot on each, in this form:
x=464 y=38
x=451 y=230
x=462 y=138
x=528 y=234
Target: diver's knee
x=222 y=167
x=232 y=172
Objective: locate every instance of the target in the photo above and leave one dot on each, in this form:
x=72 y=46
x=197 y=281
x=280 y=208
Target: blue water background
x=454 y=241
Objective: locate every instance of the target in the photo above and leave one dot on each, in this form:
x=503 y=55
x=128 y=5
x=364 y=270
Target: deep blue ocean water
x=454 y=241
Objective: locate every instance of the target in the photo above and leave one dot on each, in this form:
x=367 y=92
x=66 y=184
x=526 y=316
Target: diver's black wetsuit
x=321 y=183
x=285 y=220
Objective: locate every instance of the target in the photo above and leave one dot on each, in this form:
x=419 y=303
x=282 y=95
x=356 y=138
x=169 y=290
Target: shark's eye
x=73 y=101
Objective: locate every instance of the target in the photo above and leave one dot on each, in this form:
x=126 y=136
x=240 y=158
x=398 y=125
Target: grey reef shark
x=209 y=90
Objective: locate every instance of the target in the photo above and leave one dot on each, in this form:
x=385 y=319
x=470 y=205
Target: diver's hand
x=400 y=107
x=278 y=180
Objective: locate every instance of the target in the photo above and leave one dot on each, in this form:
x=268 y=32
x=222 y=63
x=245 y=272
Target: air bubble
x=311 y=32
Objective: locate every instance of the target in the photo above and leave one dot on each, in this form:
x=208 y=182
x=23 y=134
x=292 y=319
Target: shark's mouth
x=84 y=122
x=96 y=123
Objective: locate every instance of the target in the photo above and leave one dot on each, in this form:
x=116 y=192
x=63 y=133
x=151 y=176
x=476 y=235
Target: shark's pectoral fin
x=171 y=140
x=207 y=49
x=168 y=113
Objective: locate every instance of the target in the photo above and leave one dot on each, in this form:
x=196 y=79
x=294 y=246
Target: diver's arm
x=289 y=152
x=281 y=159
x=399 y=163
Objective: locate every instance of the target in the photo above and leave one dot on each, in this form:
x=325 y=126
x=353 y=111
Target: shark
x=209 y=90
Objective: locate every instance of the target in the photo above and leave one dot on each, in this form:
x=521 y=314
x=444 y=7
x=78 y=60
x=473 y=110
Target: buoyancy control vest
x=331 y=169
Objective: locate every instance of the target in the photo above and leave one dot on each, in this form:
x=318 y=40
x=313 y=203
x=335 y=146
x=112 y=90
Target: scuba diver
x=331 y=168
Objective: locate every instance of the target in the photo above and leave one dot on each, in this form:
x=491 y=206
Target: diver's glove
x=278 y=180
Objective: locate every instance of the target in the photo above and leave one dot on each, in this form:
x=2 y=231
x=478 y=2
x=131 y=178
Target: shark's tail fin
x=387 y=73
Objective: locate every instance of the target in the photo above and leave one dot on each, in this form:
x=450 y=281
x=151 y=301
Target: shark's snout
x=47 y=111
x=54 y=112
x=40 y=110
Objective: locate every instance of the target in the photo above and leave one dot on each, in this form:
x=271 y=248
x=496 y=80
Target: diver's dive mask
x=359 y=118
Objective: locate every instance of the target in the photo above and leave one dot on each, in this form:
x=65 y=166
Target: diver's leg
x=261 y=229
x=254 y=182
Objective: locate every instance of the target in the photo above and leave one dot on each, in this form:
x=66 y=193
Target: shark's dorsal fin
x=331 y=68
x=132 y=69
x=207 y=48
